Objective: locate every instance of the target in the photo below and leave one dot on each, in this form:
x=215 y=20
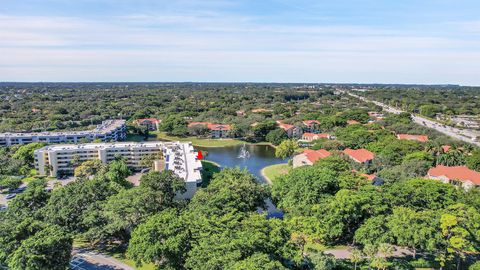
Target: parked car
x=3 y=207
x=10 y=196
x=20 y=190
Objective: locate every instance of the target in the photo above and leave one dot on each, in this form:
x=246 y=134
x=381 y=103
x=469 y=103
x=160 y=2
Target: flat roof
x=104 y=127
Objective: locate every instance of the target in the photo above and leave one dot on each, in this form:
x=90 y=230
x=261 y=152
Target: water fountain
x=244 y=152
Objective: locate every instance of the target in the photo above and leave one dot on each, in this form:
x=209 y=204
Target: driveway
x=86 y=259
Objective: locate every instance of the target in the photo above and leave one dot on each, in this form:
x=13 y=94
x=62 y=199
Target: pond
x=255 y=158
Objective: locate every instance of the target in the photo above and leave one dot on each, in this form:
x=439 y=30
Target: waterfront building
x=179 y=157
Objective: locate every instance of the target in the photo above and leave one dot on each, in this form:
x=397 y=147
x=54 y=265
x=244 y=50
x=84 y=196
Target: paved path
x=345 y=252
x=86 y=259
x=466 y=135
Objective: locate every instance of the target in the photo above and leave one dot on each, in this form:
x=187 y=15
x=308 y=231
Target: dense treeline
x=430 y=100
x=27 y=107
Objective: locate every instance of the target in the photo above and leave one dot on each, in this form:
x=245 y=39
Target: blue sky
x=364 y=41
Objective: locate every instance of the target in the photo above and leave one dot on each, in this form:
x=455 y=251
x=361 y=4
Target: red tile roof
x=420 y=138
x=359 y=155
x=352 y=122
x=446 y=148
x=311 y=122
x=284 y=126
x=218 y=127
x=210 y=126
x=313 y=135
x=460 y=173
x=314 y=155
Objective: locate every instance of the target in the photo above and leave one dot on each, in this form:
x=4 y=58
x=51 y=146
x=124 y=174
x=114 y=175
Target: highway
x=466 y=135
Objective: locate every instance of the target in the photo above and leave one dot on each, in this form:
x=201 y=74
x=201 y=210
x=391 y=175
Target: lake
x=260 y=156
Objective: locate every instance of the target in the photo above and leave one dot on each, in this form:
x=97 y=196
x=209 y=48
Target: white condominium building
x=179 y=157
x=109 y=130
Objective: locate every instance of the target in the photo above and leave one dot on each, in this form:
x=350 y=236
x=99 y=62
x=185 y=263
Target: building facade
x=179 y=157
x=151 y=124
x=456 y=175
x=109 y=130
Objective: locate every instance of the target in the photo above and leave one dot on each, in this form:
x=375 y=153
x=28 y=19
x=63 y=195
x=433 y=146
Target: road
x=466 y=135
x=85 y=259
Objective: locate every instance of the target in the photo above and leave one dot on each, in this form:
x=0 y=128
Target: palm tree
x=356 y=257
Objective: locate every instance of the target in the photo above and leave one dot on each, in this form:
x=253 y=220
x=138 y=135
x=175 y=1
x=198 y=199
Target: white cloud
x=215 y=47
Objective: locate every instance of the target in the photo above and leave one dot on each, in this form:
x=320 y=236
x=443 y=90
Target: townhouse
x=291 y=130
x=457 y=175
x=151 y=124
x=359 y=155
x=215 y=130
x=309 y=157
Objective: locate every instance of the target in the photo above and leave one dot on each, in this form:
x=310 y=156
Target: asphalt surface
x=85 y=259
x=466 y=135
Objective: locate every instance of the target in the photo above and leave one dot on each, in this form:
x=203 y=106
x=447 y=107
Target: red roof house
x=308 y=157
x=458 y=175
x=359 y=155
x=312 y=136
x=420 y=138
x=311 y=122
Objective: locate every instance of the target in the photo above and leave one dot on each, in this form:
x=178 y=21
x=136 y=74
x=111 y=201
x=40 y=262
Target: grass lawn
x=273 y=171
x=135 y=138
x=200 y=141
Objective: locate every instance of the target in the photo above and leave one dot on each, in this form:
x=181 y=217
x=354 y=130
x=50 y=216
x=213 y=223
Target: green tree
x=49 y=248
x=25 y=152
x=473 y=161
x=356 y=257
x=276 y=136
x=174 y=125
x=304 y=187
x=258 y=261
x=286 y=149
x=416 y=230
x=164 y=239
x=10 y=182
x=89 y=168
x=460 y=227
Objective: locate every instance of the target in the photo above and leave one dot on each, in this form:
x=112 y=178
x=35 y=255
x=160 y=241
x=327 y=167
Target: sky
x=354 y=41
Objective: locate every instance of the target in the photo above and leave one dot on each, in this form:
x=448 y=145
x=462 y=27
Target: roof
x=192 y=124
x=445 y=148
x=284 y=126
x=352 y=122
x=420 y=138
x=314 y=155
x=311 y=122
x=359 y=155
x=460 y=173
x=143 y=120
x=210 y=126
x=218 y=127
x=103 y=128
x=313 y=135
